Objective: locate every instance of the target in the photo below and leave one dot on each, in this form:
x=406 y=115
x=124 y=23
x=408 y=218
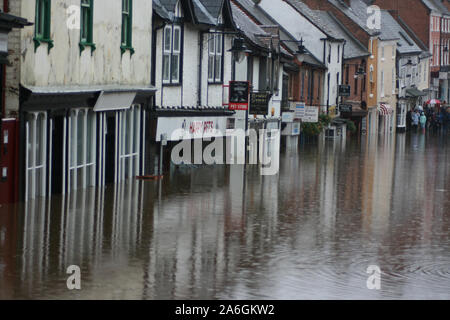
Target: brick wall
x=417 y=19
x=13 y=69
x=356 y=30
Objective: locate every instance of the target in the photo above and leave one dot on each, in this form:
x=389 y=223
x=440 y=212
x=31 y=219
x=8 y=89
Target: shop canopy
x=414 y=92
x=385 y=109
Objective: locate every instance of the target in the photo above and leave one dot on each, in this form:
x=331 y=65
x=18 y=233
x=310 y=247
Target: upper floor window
x=86 y=24
x=338 y=53
x=215 y=57
x=329 y=53
x=172 y=54
x=127 y=26
x=42 y=24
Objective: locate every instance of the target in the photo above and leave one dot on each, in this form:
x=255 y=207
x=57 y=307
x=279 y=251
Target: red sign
x=238 y=106
x=239 y=92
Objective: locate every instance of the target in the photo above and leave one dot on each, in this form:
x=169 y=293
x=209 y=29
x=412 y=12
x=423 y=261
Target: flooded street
x=228 y=233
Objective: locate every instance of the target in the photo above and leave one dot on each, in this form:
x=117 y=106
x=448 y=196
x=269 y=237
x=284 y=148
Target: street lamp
x=239 y=49
x=301 y=51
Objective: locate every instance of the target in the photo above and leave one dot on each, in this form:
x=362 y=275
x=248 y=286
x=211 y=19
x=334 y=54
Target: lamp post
x=239 y=50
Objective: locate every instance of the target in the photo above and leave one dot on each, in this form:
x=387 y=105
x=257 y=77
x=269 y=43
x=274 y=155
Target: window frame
x=215 y=38
x=88 y=40
x=43 y=19
x=170 y=52
x=126 y=38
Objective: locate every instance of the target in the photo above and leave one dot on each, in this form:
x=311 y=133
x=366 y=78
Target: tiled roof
x=263 y=18
x=405 y=43
x=354 y=13
x=247 y=26
x=436 y=5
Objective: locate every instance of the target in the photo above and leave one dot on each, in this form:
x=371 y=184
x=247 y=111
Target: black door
x=110 y=152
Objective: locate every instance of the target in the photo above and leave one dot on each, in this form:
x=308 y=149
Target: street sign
x=344 y=90
x=239 y=95
x=259 y=103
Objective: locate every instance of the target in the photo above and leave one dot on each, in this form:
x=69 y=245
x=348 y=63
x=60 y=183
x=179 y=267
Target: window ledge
x=171 y=84
x=38 y=40
x=123 y=49
x=215 y=82
x=83 y=46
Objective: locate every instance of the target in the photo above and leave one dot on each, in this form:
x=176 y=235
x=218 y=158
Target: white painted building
x=306 y=24
x=84 y=87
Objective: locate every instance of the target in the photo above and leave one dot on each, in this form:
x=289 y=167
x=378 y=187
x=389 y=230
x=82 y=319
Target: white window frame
x=129 y=144
x=215 y=57
x=171 y=51
x=36 y=188
x=89 y=119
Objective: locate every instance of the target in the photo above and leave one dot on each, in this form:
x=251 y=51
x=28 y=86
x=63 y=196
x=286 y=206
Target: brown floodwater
x=227 y=233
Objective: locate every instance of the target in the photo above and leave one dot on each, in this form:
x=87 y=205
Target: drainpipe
x=200 y=55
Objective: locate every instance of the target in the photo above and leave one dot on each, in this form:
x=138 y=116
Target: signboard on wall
x=239 y=92
x=307 y=113
x=344 y=90
x=185 y=128
x=259 y=103
x=300 y=110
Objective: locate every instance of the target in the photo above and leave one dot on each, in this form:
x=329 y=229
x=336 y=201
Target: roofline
x=307 y=18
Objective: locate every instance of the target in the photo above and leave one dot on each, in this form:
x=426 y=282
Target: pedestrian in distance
x=423 y=121
x=415 y=120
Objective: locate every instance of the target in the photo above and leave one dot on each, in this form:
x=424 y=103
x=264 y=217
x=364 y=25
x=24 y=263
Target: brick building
x=430 y=22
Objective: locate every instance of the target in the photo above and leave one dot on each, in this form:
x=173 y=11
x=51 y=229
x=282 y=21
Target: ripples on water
x=225 y=233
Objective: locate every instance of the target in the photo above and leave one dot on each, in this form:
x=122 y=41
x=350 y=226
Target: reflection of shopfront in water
x=71 y=148
x=385 y=119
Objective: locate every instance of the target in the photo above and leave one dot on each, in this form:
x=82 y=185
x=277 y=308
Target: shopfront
x=83 y=139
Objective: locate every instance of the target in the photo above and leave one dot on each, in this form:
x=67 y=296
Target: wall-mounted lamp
x=239 y=49
x=302 y=52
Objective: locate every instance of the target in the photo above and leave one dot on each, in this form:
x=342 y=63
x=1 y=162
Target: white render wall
x=300 y=27
x=65 y=66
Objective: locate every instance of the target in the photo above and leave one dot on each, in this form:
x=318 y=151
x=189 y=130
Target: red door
x=9 y=161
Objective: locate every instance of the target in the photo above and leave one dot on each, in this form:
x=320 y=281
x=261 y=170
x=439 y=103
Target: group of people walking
x=428 y=118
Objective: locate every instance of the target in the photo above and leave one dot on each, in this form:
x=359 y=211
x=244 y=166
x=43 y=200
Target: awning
x=84 y=96
x=385 y=109
x=191 y=111
x=413 y=92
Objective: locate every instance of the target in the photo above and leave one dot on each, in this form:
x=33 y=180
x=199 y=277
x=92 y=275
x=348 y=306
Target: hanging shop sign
x=344 y=90
x=239 y=92
x=259 y=103
x=185 y=128
x=345 y=108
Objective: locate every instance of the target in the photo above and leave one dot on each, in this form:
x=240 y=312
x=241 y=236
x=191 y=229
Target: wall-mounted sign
x=306 y=113
x=345 y=108
x=300 y=110
x=259 y=103
x=344 y=90
x=239 y=95
x=180 y=128
x=287 y=117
